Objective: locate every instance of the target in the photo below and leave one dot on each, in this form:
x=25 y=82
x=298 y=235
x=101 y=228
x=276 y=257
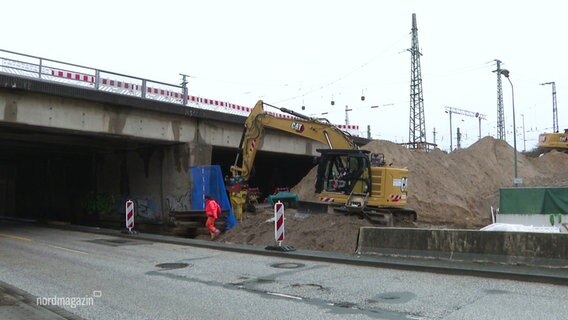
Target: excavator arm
x=295 y=123
x=298 y=124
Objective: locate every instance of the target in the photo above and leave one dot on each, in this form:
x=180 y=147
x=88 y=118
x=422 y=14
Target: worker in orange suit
x=212 y=210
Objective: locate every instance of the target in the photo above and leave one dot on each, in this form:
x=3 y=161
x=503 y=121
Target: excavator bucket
x=312 y=207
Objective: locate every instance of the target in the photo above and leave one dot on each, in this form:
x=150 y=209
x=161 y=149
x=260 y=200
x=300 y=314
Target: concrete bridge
x=72 y=152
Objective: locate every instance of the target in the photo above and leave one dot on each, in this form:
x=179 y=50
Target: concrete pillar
x=176 y=184
x=156 y=178
x=134 y=175
x=177 y=181
x=200 y=154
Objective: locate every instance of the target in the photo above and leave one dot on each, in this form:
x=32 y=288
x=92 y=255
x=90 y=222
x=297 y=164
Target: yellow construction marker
x=15 y=237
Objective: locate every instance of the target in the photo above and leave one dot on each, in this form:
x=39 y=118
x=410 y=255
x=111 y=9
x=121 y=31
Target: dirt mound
x=552 y=167
x=324 y=232
x=453 y=190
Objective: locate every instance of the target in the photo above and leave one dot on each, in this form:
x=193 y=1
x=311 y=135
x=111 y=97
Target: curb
x=484 y=269
x=415 y=263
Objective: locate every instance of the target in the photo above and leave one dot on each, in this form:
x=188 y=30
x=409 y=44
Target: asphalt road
x=116 y=278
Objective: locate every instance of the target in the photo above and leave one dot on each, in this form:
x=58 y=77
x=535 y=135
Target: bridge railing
x=24 y=65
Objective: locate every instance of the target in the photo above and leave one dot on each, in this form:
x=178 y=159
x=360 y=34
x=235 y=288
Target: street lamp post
x=516 y=180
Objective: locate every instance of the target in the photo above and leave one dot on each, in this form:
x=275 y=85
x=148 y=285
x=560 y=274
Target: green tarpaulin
x=545 y=200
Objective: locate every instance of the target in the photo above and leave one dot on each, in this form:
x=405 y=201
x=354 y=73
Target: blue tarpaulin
x=208 y=180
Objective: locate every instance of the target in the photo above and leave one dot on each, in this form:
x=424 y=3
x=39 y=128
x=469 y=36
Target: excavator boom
x=296 y=123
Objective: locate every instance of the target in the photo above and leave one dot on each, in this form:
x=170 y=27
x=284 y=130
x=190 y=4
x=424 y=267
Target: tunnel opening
x=57 y=175
x=41 y=185
x=51 y=174
x=271 y=170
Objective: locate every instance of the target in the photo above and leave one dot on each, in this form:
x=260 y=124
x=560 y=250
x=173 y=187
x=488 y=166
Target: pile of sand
x=325 y=232
x=453 y=190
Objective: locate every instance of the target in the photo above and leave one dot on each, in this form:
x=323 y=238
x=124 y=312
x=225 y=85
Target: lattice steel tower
x=500 y=113
x=417 y=133
x=554 y=108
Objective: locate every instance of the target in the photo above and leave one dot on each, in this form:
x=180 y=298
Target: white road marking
x=67 y=249
x=284 y=295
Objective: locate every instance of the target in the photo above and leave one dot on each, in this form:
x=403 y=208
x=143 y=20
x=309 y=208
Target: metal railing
x=24 y=65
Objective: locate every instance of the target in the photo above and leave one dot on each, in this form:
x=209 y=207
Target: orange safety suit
x=212 y=210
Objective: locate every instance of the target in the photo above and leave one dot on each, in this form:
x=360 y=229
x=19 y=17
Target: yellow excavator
x=349 y=179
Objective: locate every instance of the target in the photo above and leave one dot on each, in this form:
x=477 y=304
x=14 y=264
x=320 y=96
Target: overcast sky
x=293 y=53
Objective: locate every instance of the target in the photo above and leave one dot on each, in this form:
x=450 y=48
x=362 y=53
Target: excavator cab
x=343 y=171
x=358 y=182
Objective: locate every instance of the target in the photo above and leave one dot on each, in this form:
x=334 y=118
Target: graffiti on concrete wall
x=178 y=203
x=146 y=208
x=99 y=204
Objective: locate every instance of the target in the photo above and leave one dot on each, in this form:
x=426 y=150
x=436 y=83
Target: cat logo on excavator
x=297 y=126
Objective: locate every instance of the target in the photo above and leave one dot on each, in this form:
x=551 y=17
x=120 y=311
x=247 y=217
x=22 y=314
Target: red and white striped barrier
x=279 y=222
x=120 y=84
x=216 y=105
x=279 y=229
x=72 y=75
x=129 y=215
x=348 y=127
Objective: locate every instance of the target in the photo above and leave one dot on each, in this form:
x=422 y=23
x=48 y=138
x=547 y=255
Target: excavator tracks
x=389 y=217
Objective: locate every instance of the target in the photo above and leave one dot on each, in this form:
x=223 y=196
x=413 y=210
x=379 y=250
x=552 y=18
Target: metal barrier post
x=144 y=89
x=40 y=67
x=279 y=229
x=129 y=217
x=97 y=79
x=184 y=88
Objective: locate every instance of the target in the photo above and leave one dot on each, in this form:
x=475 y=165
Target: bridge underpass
x=76 y=143
x=51 y=174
